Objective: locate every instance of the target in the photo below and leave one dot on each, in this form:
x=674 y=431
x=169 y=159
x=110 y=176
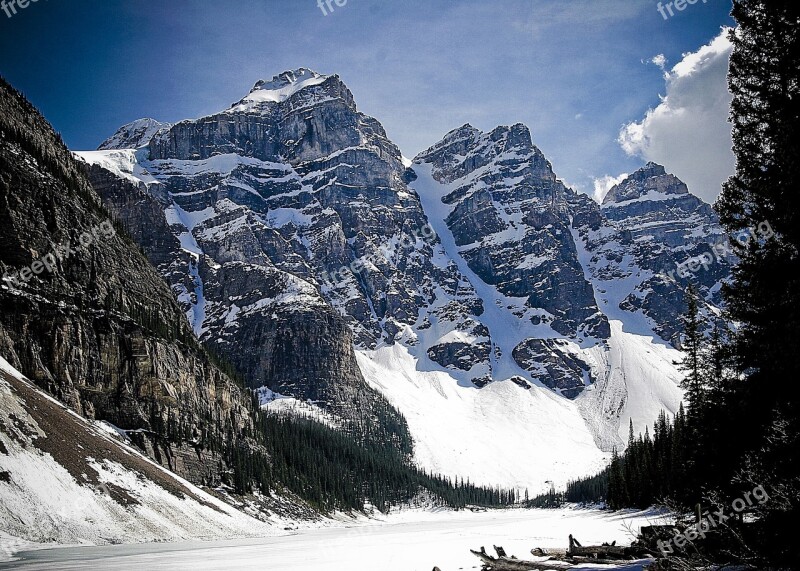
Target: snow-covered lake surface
x=410 y=541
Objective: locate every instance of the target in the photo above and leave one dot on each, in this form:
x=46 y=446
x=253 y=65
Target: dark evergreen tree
x=763 y=195
x=617 y=495
x=692 y=345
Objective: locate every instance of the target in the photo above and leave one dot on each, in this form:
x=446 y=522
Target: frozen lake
x=413 y=541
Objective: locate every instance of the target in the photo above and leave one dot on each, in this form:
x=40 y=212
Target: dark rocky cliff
x=85 y=316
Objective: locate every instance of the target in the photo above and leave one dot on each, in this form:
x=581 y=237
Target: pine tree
x=765 y=81
x=618 y=496
x=692 y=345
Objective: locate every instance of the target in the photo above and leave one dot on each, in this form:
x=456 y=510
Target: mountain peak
x=651 y=178
x=282 y=86
x=466 y=130
x=517 y=135
x=294 y=80
x=651 y=169
x=306 y=84
x=134 y=135
x=458 y=140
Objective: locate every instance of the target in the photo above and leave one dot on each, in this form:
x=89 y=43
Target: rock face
x=653 y=240
x=87 y=318
x=293 y=230
x=566 y=372
x=510 y=219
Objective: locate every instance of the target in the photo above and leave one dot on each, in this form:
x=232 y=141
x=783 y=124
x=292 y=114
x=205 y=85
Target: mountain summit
x=284 y=85
x=651 y=182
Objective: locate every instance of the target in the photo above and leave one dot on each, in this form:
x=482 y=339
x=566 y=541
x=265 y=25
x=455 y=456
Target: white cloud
x=660 y=60
x=605 y=183
x=688 y=132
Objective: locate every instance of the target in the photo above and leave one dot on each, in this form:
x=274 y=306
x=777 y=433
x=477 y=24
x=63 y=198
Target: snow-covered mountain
x=516 y=324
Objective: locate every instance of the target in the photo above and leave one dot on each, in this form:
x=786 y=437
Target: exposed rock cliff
x=87 y=318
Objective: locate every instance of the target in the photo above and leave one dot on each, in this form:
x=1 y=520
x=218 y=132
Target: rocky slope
x=69 y=481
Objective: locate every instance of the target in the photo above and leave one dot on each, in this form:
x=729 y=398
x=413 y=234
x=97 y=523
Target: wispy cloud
x=659 y=60
x=545 y=14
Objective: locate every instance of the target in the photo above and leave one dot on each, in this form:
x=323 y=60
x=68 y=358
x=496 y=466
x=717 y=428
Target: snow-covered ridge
x=649 y=183
x=125 y=163
x=279 y=404
x=280 y=88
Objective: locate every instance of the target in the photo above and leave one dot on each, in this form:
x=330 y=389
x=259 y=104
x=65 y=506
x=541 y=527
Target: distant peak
x=145 y=121
x=294 y=77
x=284 y=85
x=651 y=178
x=461 y=139
x=465 y=130
x=651 y=169
x=517 y=134
x=134 y=135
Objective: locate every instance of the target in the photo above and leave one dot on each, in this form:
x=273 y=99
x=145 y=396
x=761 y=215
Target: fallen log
x=605 y=551
x=504 y=563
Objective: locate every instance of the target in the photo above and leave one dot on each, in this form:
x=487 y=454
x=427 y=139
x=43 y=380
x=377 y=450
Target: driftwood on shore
x=577 y=554
x=505 y=563
x=606 y=551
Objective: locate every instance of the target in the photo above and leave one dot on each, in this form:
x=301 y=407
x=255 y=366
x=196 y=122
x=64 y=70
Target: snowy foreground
x=409 y=541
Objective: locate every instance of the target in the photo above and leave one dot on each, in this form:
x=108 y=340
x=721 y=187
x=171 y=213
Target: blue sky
x=575 y=71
